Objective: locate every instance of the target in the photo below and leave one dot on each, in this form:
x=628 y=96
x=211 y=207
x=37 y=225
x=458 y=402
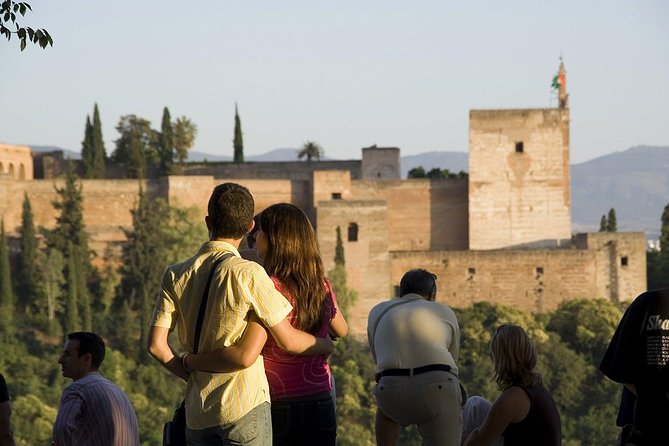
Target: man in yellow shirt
x=233 y=407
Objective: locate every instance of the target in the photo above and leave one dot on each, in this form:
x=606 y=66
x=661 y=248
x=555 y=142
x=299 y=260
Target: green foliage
x=32 y=420
x=608 y=224
x=238 y=142
x=136 y=148
x=417 y=172
x=98 y=146
x=586 y=325
x=611 y=223
x=87 y=149
x=435 y=173
x=29 y=277
x=8 y=14
x=339 y=250
x=310 y=150
x=658 y=261
x=160 y=235
x=353 y=368
x=166 y=143
x=185 y=132
x=70 y=238
x=6 y=294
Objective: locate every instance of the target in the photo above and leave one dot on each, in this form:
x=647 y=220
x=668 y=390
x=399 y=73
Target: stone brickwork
x=16 y=162
x=367 y=258
x=381 y=163
x=518 y=178
x=502 y=235
x=535 y=280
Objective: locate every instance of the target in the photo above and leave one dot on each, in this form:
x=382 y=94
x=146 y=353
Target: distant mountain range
x=634 y=182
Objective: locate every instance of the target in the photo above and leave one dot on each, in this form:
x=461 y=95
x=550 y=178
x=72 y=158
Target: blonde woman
x=525 y=413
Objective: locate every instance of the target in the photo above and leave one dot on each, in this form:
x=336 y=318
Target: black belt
x=415 y=371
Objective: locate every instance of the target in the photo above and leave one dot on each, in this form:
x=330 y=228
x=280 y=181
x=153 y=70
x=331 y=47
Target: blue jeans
x=253 y=429
x=308 y=420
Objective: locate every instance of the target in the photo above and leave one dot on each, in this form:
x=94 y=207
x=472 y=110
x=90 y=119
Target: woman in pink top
x=303 y=411
x=302 y=406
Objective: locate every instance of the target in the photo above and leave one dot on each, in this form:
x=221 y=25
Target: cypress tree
x=238 y=142
x=71 y=322
x=611 y=223
x=140 y=272
x=339 y=250
x=602 y=224
x=166 y=143
x=98 y=146
x=6 y=295
x=70 y=238
x=29 y=278
x=664 y=232
x=87 y=155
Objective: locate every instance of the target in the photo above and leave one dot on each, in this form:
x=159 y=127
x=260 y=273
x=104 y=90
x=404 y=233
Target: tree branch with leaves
x=8 y=15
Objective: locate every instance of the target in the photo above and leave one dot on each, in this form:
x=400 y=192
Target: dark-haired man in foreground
x=224 y=408
x=416 y=343
x=92 y=410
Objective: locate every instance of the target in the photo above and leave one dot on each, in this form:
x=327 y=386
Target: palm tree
x=184 y=137
x=311 y=150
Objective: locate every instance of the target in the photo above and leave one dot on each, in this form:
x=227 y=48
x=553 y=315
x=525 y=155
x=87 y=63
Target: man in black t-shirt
x=6 y=436
x=638 y=357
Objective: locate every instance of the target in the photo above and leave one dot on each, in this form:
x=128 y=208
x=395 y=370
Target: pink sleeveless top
x=290 y=375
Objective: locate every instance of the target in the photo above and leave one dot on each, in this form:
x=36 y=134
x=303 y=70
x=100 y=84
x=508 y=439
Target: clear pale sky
x=347 y=74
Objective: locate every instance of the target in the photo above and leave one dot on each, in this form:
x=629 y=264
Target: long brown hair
x=514 y=357
x=292 y=256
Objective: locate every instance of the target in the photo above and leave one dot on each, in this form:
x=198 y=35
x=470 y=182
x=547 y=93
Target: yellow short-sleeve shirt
x=239 y=286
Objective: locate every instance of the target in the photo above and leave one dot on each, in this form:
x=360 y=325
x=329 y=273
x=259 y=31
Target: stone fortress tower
x=503 y=234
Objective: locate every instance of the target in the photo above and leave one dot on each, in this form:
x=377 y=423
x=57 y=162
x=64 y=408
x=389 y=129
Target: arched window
x=22 y=172
x=352 y=232
x=2 y=169
x=11 y=170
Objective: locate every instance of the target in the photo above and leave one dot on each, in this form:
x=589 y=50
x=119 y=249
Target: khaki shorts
x=431 y=401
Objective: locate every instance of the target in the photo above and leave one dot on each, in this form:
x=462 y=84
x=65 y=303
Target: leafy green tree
x=238 y=142
x=32 y=420
x=136 y=147
x=166 y=143
x=87 y=154
x=8 y=324
x=54 y=282
x=611 y=223
x=71 y=321
x=310 y=150
x=29 y=276
x=8 y=11
x=98 y=146
x=71 y=239
x=664 y=232
x=437 y=174
x=160 y=235
x=185 y=132
x=417 y=172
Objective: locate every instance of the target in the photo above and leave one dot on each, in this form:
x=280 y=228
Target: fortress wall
x=295 y=170
x=507 y=277
x=367 y=259
x=518 y=198
x=381 y=163
x=423 y=214
x=16 y=161
x=106 y=205
x=621 y=262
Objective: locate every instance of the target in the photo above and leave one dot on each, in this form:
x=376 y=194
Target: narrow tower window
x=519 y=147
x=353 y=232
x=336 y=195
